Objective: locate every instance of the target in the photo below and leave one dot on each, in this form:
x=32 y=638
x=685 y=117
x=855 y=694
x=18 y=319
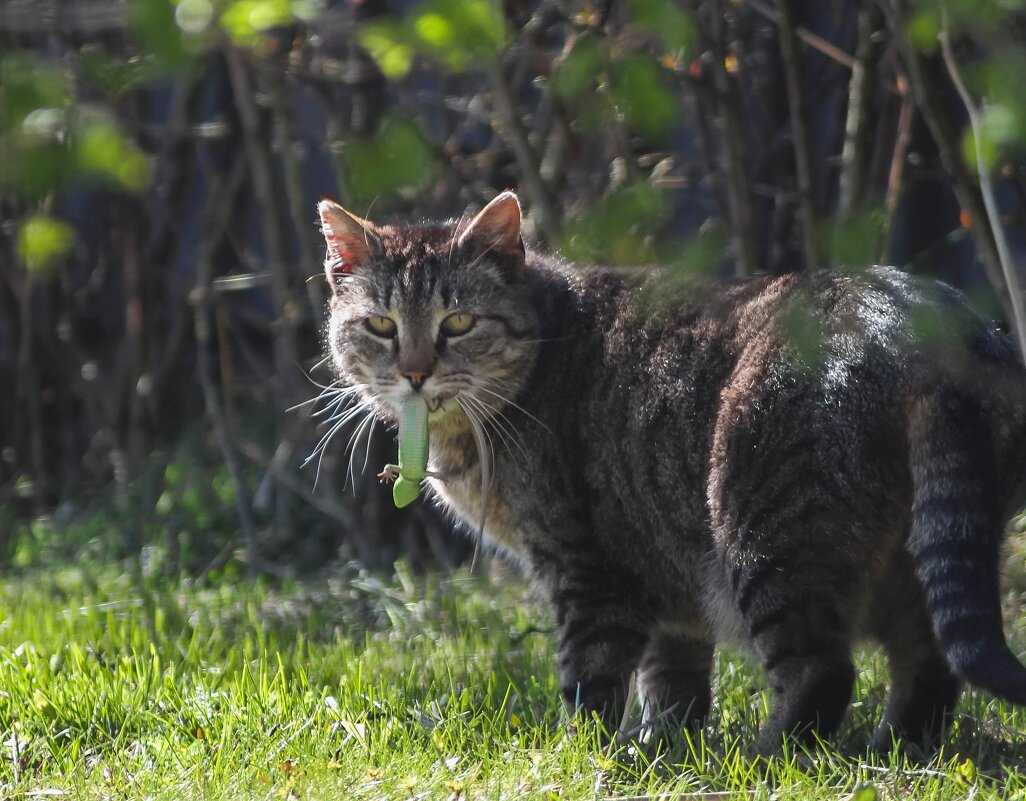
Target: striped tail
x=957 y=525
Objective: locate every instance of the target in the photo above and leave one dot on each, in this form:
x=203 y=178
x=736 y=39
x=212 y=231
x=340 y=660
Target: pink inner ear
x=345 y=251
x=498 y=225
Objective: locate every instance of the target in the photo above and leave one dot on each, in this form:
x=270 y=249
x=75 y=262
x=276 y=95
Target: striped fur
x=792 y=463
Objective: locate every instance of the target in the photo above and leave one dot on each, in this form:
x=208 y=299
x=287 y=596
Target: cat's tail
x=955 y=540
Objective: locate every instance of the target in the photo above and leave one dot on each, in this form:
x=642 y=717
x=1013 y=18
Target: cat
x=786 y=463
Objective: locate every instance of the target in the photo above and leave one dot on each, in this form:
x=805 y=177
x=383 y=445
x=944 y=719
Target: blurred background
x=161 y=295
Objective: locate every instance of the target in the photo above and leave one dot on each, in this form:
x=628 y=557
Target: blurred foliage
x=996 y=79
x=604 y=85
x=393 y=159
x=617 y=227
x=459 y=34
x=854 y=241
x=626 y=141
x=667 y=22
x=41 y=241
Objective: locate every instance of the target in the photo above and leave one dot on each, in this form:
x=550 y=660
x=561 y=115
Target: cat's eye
x=382 y=326
x=458 y=323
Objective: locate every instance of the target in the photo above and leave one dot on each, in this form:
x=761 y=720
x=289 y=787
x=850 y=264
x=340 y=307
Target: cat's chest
x=460 y=489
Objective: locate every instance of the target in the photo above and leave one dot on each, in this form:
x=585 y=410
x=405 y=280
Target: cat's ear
x=352 y=241
x=496 y=229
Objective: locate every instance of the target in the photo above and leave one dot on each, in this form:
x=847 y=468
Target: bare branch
x=543 y=210
x=799 y=137
x=854 y=154
x=997 y=230
x=903 y=136
x=733 y=161
x=829 y=50
x=930 y=106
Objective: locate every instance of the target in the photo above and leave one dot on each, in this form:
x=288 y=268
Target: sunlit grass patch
x=350 y=686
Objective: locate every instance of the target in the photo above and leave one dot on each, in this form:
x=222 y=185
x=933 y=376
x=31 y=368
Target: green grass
x=114 y=686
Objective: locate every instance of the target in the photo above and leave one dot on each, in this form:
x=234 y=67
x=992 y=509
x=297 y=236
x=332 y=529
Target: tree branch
x=997 y=230
x=929 y=104
x=799 y=137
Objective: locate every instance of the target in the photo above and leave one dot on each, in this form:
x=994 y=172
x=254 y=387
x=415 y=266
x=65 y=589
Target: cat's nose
x=416 y=377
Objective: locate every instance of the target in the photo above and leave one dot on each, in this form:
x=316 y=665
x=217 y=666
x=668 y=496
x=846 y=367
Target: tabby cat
x=791 y=463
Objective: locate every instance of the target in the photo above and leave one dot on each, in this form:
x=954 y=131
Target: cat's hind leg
x=924 y=690
x=674 y=680
x=792 y=602
x=811 y=675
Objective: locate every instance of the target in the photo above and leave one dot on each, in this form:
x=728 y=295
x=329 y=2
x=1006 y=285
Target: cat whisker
x=367 y=424
x=331 y=396
x=485 y=420
x=320 y=449
x=455 y=236
x=332 y=391
x=516 y=406
x=480 y=438
x=502 y=425
x=476 y=421
x=342 y=396
x=344 y=415
x=543 y=339
x=337 y=423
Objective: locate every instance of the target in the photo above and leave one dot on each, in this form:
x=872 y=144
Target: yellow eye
x=382 y=326
x=456 y=324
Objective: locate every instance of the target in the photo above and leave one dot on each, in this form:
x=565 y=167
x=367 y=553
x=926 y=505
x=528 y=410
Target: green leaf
x=102 y=150
x=614 y=229
x=665 y=20
x=387 y=46
x=865 y=792
x=999 y=81
x=578 y=71
x=33 y=167
x=965 y=771
x=157 y=34
x=459 y=33
x=855 y=241
x=988 y=147
x=26 y=85
x=395 y=159
x=246 y=20
x=923 y=29
x=42 y=240
x=639 y=92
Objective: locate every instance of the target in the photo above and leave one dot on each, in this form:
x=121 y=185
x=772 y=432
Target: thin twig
x=733 y=161
x=259 y=157
x=852 y=181
x=799 y=137
x=302 y=217
x=831 y=51
x=215 y=219
x=997 y=230
x=510 y=127
x=324 y=504
x=902 y=138
x=931 y=106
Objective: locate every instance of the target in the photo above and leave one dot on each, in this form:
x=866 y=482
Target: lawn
x=349 y=686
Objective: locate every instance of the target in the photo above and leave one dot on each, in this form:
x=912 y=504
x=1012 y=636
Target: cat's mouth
x=441 y=406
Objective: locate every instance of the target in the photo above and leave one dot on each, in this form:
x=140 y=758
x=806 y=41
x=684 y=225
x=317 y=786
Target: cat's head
x=442 y=310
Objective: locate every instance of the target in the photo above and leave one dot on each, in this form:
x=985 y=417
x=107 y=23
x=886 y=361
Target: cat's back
x=817 y=407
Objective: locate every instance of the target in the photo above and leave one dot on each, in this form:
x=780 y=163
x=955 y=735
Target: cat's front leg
x=600 y=642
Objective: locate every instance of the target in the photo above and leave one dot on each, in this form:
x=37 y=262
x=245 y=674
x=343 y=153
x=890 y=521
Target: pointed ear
x=352 y=241
x=497 y=227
